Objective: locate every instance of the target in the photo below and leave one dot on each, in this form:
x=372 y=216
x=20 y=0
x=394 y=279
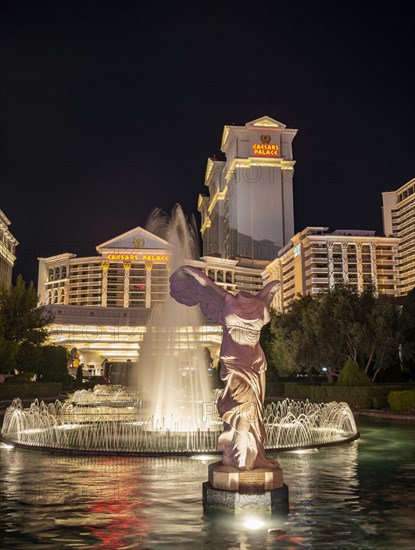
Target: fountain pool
x=357 y=496
x=82 y=425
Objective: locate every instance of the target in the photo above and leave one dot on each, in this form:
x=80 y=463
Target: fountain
x=173 y=410
x=173 y=375
x=101 y=429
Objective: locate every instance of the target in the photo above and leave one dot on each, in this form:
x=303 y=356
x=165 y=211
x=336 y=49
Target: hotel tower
x=249 y=212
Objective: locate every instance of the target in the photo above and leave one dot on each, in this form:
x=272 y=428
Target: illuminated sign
x=122 y=257
x=152 y=258
x=138 y=257
x=265 y=150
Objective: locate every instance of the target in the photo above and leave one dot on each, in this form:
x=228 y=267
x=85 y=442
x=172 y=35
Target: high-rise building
x=399 y=221
x=7 y=250
x=316 y=260
x=249 y=212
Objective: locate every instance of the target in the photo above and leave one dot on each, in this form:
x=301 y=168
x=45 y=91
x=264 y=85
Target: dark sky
x=110 y=109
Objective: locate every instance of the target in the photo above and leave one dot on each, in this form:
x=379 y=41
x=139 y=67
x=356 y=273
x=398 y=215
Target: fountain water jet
x=101 y=429
x=173 y=376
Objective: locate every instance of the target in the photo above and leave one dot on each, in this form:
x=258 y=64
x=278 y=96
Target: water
x=94 y=421
x=356 y=496
x=173 y=372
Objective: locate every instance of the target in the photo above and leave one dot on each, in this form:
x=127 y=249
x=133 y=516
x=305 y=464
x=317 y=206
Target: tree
x=381 y=342
x=53 y=365
x=362 y=327
x=294 y=346
x=323 y=332
x=8 y=352
x=23 y=327
x=352 y=375
x=29 y=358
x=341 y=325
x=22 y=320
x=407 y=331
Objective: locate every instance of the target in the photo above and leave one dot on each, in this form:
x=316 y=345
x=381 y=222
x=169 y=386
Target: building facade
x=399 y=221
x=129 y=271
x=316 y=260
x=249 y=212
x=102 y=304
x=7 y=250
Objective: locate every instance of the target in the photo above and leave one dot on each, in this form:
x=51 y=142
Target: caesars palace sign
x=265 y=148
x=138 y=257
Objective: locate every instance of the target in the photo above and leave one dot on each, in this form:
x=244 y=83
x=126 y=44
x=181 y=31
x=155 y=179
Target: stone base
x=237 y=491
x=274 y=502
x=259 y=480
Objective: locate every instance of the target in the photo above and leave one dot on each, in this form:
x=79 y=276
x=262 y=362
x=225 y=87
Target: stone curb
x=387 y=415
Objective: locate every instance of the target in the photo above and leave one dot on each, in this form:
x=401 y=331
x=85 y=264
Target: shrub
x=352 y=375
x=360 y=397
x=53 y=366
x=380 y=402
x=48 y=362
x=21 y=378
x=402 y=401
x=68 y=382
x=35 y=389
x=296 y=390
x=355 y=396
x=274 y=389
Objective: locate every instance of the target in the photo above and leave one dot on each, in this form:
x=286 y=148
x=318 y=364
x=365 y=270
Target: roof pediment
x=266 y=122
x=137 y=238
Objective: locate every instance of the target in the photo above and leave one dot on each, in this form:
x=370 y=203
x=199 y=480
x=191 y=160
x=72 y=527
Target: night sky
x=109 y=110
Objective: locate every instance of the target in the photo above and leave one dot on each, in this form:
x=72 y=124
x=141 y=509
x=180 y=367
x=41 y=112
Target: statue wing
x=268 y=292
x=190 y=287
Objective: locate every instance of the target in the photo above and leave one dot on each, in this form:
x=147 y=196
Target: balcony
x=315 y=260
x=316 y=250
x=316 y=270
x=317 y=280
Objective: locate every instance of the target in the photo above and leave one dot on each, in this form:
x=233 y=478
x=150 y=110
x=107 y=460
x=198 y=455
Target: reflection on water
x=357 y=496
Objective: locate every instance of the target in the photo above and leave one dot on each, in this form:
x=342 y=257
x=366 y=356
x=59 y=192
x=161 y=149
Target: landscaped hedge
x=35 y=389
x=297 y=390
x=359 y=397
x=402 y=401
x=274 y=389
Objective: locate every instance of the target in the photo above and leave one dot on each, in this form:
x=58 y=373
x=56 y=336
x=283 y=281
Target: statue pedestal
x=236 y=491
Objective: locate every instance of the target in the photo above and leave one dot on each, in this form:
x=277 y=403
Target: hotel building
x=102 y=303
x=315 y=260
x=399 y=221
x=7 y=250
x=249 y=212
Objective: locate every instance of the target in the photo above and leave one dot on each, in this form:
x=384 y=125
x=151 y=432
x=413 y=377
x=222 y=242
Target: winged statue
x=242 y=361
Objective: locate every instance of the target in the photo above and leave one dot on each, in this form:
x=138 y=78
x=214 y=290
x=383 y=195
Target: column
x=127 y=267
x=149 y=267
x=345 y=264
x=104 y=285
x=359 y=267
x=374 y=267
x=330 y=264
x=277 y=301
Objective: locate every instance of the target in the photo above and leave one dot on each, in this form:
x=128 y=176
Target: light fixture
x=253 y=523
